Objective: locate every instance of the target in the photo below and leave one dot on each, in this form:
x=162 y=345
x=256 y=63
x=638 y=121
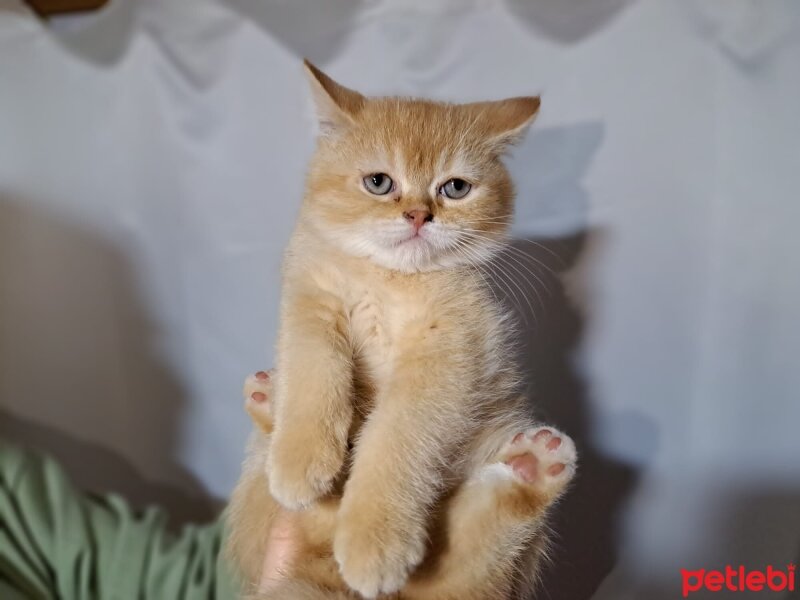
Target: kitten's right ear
x=508 y=120
x=336 y=105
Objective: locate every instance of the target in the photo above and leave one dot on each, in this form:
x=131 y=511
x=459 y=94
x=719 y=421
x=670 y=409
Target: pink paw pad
x=542 y=456
x=525 y=466
x=258 y=387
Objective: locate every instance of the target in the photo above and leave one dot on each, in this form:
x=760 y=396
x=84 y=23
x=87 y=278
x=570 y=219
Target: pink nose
x=418 y=217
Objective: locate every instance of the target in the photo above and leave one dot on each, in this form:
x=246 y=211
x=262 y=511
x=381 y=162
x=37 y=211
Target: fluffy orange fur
x=399 y=439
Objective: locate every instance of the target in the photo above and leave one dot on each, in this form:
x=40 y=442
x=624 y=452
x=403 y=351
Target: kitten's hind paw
x=543 y=458
x=258 y=399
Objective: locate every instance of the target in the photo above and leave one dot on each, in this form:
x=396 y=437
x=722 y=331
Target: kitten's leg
x=252 y=510
x=313 y=397
x=404 y=455
x=282 y=543
x=494 y=531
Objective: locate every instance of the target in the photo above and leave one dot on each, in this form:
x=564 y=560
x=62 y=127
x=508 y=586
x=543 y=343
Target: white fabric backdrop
x=151 y=163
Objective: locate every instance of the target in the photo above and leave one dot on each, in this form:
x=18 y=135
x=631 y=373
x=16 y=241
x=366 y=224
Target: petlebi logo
x=739 y=579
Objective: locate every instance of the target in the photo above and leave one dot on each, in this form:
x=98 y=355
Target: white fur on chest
x=380 y=314
x=372 y=323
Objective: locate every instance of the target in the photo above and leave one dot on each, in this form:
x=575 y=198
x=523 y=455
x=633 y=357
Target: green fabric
x=56 y=542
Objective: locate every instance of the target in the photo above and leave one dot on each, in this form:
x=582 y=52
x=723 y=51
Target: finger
x=281 y=550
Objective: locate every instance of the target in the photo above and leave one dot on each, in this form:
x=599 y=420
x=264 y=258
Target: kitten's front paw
x=543 y=458
x=376 y=552
x=301 y=469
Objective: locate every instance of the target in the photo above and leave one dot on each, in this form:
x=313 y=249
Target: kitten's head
x=412 y=185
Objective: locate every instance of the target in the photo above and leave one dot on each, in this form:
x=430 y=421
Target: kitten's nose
x=418 y=217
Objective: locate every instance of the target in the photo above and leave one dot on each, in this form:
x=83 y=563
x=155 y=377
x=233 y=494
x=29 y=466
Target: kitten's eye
x=378 y=184
x=455 y=189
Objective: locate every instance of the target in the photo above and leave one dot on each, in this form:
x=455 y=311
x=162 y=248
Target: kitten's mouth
x=414 y=238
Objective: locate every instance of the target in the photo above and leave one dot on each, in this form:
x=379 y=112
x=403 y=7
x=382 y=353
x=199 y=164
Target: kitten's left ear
x=506 y=121
x=337 y=106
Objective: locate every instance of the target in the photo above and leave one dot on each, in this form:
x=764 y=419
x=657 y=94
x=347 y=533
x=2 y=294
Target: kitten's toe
x=258 y=399
x=376 y=559
x=300 y=469
x=258 y=387
x=295 y=490
x=543 y=458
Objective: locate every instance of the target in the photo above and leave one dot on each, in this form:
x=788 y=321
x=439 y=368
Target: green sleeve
x=56 y=542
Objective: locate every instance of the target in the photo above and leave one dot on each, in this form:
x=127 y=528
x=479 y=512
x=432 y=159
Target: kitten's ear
x=336 y=105
x=506 y=121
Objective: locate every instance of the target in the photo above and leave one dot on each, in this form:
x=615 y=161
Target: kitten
x=399 y=435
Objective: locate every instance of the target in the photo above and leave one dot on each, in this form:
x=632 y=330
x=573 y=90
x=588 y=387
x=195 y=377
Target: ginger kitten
x=395 y=429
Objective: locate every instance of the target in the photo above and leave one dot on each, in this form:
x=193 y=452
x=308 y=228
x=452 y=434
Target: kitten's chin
x=412 y=256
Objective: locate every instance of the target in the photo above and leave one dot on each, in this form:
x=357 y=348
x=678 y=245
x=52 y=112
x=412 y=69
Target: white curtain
x=151 y=164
